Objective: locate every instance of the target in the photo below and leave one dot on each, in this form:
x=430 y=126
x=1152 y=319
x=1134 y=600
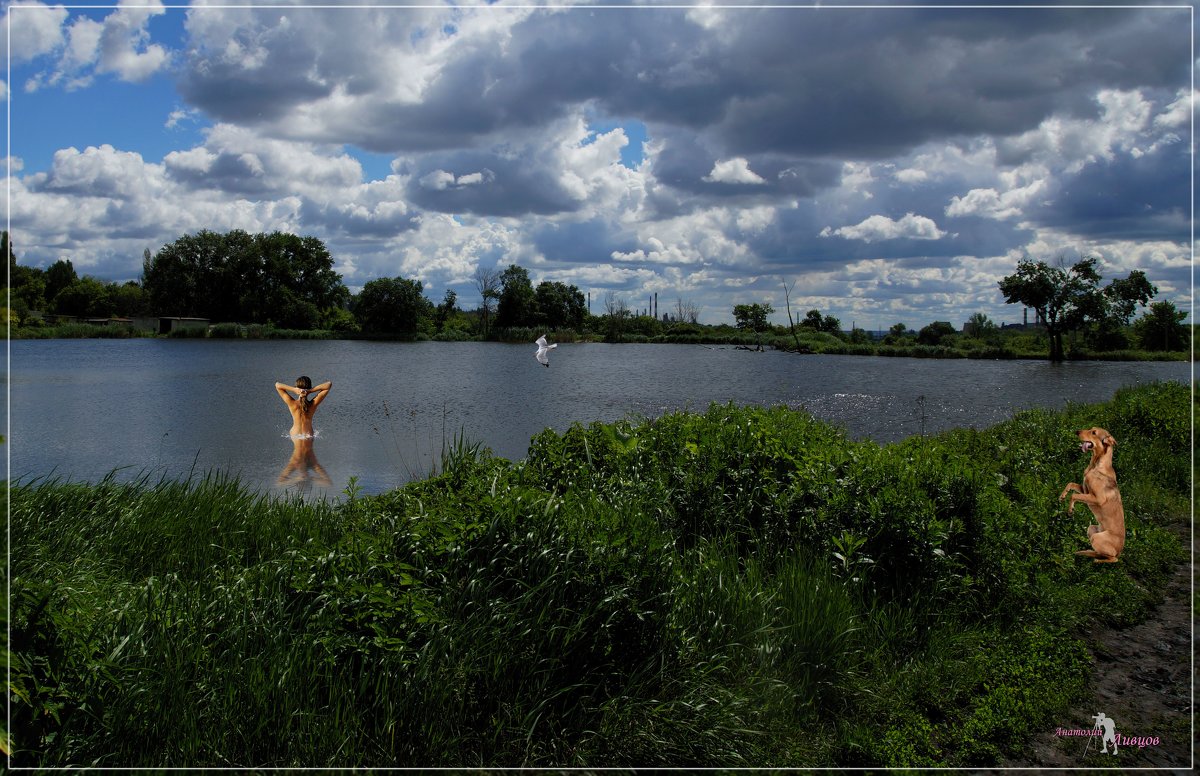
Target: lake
x=81 y=409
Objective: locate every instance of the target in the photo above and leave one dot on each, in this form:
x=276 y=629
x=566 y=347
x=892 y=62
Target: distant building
x=1038 y=323
x=168 y=324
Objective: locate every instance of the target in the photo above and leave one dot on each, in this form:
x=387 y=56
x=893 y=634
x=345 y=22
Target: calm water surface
x=82 y=408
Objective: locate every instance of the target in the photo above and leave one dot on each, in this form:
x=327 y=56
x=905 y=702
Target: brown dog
x=1099 y=492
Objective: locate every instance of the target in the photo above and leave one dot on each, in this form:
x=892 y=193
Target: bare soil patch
x=1142 y=680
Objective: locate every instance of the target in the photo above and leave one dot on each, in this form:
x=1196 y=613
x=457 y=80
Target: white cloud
x=198 y=160
x=590 y=169
x=440 y=180
x=735 y=170
x=1177 y=113
x=475 y=178
x=124 y=45
x=708 y=237
x=857 y=178
x=437 y=180
x=991 y=203
x=445 y=247
x=83 y=44
x=236 y=157
x=878 y=227
x=911 y=175
x=120 y=44
x=177 y=116
x=35 y=28
x=1070 y=144
x=99 y=171
x=293 y=85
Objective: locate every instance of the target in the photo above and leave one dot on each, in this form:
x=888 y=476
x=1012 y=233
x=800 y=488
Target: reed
x=80 y=331
x=739 y=587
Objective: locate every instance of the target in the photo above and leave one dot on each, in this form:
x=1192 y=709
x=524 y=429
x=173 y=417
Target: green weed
x=737 y=587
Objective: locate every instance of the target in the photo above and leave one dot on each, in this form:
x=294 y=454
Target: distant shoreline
x=823 y=344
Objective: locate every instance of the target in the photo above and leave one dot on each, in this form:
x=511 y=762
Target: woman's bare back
x=301 y=407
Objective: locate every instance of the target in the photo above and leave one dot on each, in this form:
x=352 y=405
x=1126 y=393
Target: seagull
x=542 y=350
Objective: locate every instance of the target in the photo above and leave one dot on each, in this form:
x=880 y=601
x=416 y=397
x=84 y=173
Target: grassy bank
x=79 y=331
x=742 y=587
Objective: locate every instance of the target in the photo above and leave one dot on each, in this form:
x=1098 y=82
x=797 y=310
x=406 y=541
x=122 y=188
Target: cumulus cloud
x=735 y=170
x=35 y=29
x=506 y=129
x=879 y=227
x=119 y=45
x=124 y=42
x=911 y=175
x=439 y=180
x=236 y=160
x=991 y=203
x=1177 y=114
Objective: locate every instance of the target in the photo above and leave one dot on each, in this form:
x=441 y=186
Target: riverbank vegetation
x=741 y=587
x=1009 y=344
x=280 y=286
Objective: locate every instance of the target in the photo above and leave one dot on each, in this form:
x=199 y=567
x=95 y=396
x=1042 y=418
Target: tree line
x=289 y=281
x=1067 y=300
x=1070 y=300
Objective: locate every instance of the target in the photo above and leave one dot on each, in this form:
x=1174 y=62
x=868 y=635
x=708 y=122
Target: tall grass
x=741 y=587
x=80 y=331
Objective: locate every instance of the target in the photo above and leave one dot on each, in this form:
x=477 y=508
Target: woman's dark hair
x=303 y=382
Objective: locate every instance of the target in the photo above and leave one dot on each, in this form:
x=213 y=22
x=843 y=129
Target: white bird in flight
x=542 y=350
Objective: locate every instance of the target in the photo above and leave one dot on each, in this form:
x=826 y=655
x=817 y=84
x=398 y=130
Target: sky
x=886 y=164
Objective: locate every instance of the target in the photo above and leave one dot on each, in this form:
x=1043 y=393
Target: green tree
x=517 y=305
x=277 y=277
x=300 y=269
x=86 y=296
x=897 y=335
x=815 y=321
x=752 y=317
x=392 y=306
x=341 y=320
x=1124 y=295
x=560 y=306
x=1162 y=328
x=59 y=275
x=1068 y=298
x=184 y=277
x=980 y=326
x=445 y=309
x=128 y=299
x=1115 y=308
x=27 y=285
x=934 y=333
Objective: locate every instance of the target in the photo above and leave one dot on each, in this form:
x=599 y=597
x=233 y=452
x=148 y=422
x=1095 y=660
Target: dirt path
x=1143 y=682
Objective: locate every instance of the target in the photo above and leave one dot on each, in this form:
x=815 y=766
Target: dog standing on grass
x=1099 y=492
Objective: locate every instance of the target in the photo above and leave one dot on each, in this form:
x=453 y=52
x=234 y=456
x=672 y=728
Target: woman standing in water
x=301 y=406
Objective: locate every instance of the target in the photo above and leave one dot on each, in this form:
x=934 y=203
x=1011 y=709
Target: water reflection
x=303 y=469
